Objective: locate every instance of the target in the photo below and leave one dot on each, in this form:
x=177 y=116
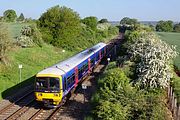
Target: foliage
x=131 y=36
x=172 y=38
x=91 y=22
x=111 y=111
x=30 y=36
x=152 y=27
x=9 y=15
x=112 y=30
x=5 y=42
x=118 y=99
x=15 y=28
x=24 y=41
x=60 y=26
x=128 y=21
x=26 y=30
x=176 y=86
x=154 y=58
x=103 y=26
x=114 y=86
x=21 y=17
x=164 y=26
x=104 y=20
x=1 y=19
x=86 y=38
x=176 y=27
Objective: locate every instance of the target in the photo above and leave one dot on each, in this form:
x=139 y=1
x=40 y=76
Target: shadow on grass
x=13 y=91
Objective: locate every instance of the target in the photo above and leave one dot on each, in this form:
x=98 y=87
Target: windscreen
x=48 y=84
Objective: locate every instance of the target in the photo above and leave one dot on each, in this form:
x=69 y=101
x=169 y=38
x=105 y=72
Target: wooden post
x=175 y=108
x=177 y=112
x=170 y=99
x=172 y=103
x=178 y=117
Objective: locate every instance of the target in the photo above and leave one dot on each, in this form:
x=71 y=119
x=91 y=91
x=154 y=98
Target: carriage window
x=92 y=62
x=71 y=79
x=98 y=56
x=102 y=53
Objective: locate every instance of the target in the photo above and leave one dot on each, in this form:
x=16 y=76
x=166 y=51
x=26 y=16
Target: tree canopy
x=91 y=22
x=104 y=20
x=60 y=26
x=176 y=27
x=21 y=17
x=129 y=21
x=9 y=15
x=164 y=26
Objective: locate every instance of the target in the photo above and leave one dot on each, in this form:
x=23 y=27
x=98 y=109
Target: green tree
x=10 y=15
x=164 y=26
x=129 y=21
x=60 y=26
x=176 y=27
x=21 y=17
x=103 y=20
x=91 y=22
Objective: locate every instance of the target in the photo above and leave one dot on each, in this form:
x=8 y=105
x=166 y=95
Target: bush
x=5 y=43
x=91 y=22
x=60 y=26
x=176 y=86
x=113 y=30
x=30 y=36
x=164 y=26
x=10 y=15
x=153 y=58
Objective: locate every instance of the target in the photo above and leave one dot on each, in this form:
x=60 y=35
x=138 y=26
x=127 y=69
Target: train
x=55 y=83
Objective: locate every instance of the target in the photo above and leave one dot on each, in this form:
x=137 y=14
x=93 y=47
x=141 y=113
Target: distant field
x=172 y=39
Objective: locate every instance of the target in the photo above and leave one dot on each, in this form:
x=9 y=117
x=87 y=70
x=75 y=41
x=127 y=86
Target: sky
x=113 y=10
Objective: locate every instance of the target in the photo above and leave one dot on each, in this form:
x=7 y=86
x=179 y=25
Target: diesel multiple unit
x=54 y=83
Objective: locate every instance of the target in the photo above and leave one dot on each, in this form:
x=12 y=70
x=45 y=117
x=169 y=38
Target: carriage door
x=89 y=65
x=76 y=76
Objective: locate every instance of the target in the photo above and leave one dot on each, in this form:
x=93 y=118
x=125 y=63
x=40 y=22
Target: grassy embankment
x=173 y=39
x=33 y=60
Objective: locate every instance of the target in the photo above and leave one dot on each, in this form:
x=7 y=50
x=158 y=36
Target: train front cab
x=48 y=89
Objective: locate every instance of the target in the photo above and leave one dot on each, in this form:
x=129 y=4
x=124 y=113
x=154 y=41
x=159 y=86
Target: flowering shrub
x=154 y=58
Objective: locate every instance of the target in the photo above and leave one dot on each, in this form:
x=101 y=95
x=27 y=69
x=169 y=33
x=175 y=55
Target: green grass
x=172 y=39
x=33 y=60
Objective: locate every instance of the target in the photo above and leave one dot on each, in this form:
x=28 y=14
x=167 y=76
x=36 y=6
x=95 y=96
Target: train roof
x=65 y=66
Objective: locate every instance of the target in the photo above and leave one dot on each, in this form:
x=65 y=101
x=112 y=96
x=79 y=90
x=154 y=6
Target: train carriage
x=54 y=83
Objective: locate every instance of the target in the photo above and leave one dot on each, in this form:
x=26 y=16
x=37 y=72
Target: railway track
x=14 y=109
x=26 y=107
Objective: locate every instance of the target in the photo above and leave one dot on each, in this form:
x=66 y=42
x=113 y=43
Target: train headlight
x=56 y=94
x=39 y=94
